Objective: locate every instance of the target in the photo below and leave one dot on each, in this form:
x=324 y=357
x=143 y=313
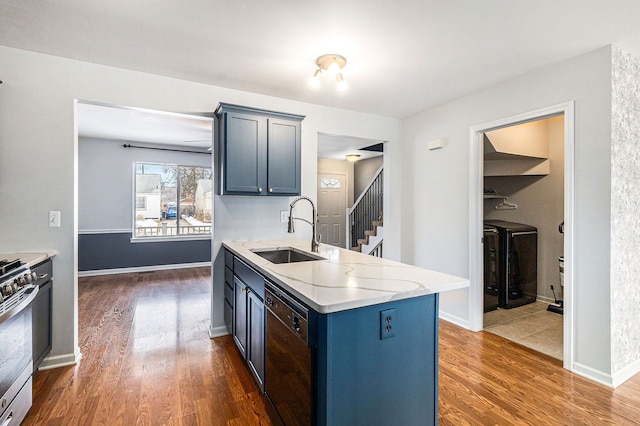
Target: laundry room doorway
x=520 y=221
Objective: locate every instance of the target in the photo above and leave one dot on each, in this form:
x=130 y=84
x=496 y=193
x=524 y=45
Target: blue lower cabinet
x=376 y=365
x=244 y=308
x=379 y=368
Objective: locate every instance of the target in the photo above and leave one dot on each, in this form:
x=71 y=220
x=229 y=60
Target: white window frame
x=181 y=237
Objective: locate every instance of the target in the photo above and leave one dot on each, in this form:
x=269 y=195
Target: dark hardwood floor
x=147 y=359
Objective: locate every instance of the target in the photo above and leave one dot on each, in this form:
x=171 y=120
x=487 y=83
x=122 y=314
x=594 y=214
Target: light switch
x=54 y=219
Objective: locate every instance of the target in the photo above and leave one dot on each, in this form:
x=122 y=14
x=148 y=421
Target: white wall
x=105 y=180
x=39 y=162
x=435 y=217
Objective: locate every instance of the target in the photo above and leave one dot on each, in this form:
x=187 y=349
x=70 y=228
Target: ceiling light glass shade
x=315 y=80
x=334 y=67
x=342 y=83
x=352 y=157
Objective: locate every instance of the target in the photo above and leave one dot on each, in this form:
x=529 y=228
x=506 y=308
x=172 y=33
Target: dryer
x=518 y=262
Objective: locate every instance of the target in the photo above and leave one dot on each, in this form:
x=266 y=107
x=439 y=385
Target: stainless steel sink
x=286 y=255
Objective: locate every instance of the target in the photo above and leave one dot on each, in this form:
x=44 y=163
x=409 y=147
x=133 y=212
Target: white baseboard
x=454 y=320
x=104 y=231
x=58 y=361
x=218 y=331
x=547 y=300
x=593 y=374
x=621 y=376
x=151 y=268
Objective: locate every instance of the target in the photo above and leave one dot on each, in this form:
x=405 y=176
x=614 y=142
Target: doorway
x=523 y=209
x=346 y=165
x=332 y=202
x=144 y=189
x=478 y=207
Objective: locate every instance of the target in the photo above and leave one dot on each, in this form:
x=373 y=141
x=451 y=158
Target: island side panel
x=365 y=380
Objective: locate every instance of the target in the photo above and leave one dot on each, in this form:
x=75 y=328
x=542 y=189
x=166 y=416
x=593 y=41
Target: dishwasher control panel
x=291 y=313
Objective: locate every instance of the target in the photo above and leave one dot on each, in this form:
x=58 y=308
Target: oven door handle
x=29 y=294
x=8 y=419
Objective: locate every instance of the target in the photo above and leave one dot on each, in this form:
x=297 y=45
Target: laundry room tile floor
x=529 y=325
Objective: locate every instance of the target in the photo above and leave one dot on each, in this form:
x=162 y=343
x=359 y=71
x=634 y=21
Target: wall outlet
x=387 y=323
x=54 y=219
x=284 y=216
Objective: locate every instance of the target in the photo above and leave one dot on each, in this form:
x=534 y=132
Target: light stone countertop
x=30 y=258
x=345 y=279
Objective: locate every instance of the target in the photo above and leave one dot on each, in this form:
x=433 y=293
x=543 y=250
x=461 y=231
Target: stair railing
x=366 y=209
x=377 y=250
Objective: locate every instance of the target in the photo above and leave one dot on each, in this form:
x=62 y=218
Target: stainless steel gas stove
x=16 y=365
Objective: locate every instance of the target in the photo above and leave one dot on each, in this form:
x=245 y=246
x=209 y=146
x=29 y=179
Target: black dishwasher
x=288 y=373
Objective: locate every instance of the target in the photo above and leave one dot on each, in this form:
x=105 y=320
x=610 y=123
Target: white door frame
x=476 y=187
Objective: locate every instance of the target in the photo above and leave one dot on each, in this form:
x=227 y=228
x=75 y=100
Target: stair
x=360 y=221
x=372 y=238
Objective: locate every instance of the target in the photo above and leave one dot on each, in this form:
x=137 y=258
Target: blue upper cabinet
x=259 y=151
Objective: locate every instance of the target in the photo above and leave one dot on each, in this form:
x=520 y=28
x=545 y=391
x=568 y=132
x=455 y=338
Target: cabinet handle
x=259 y=189
x=270 y=189
x=41 y=276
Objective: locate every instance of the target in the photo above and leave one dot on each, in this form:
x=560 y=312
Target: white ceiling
x=402 y=57
x=186 y=131
x=337 y=147
x=140 y=125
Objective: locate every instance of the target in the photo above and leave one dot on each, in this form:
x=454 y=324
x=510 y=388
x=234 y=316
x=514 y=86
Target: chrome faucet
x=314 y=240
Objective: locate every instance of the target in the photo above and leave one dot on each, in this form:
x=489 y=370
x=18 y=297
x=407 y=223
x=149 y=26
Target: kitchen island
x=369 y=327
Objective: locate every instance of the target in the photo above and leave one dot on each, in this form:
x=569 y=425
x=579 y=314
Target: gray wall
x=363 y=173
x=105 y=180
x=105 y=203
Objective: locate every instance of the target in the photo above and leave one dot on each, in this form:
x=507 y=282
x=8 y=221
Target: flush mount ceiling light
x=332 y=64
x=353 y=157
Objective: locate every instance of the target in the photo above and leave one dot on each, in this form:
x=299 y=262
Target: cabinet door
x=284 y=156
x=256 y=337
x=41 y=324
x=240 y=316
x=245 y=152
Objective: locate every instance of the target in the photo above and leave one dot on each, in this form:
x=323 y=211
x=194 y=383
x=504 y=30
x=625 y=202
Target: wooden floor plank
x=147 y=359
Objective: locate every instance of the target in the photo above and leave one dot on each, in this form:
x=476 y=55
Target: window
x=172 y=200
x=329 y=183
x=141 y=203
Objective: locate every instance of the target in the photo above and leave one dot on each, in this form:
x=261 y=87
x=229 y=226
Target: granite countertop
x=30 y=258
x=344 y=279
